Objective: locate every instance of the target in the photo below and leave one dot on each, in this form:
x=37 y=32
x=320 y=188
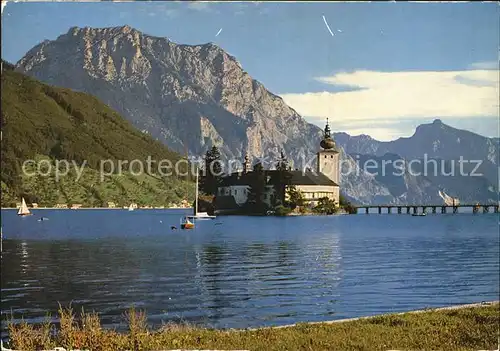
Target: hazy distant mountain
x=445 y=144
x=414 y=183
x=436 y=140
x=191 y=97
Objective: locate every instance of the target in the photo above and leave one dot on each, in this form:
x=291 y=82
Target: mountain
x=44 y=124
x=190 y=97
x=436 y=140
x=415 y=182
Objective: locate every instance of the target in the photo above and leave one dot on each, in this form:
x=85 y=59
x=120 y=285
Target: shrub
x=281 y=210
x=326 y=206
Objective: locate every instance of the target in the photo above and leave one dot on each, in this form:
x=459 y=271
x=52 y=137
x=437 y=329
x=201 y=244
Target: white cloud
x=379 y=97
x=153 y=9
x=485 y=65
x=381 y=134
x=199 y=6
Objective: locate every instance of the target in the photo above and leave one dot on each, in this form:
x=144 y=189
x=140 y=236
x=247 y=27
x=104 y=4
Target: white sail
x=448 y=200
x=199 y=215
x=23 y=210
x=196 y=195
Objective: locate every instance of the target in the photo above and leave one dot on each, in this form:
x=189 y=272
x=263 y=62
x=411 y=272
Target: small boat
x=448 y=200
x=24 y=210
x=186 y=223
x=201 y=215
x=131 y=208
x=419 y=214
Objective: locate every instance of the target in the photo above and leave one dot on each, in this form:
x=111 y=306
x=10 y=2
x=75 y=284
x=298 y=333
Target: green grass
x=471 y=328
x=91 y=192
x=40 y=121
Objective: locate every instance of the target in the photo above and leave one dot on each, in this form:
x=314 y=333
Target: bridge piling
x=476 y=208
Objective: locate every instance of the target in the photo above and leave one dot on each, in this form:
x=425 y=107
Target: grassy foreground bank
x=469 y=328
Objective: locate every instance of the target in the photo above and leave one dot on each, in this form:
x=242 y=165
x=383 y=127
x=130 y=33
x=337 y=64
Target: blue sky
x=387 y=68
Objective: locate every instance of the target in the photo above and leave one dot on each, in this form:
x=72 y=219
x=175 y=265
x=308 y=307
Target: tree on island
x=346 y=205
x=326 y=206
x=255 y=202
x=211 y=177
x=295 y=197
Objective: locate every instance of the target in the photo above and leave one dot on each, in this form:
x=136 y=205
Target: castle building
x=314 y=185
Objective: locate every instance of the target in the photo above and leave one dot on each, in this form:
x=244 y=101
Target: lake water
x=241 y=272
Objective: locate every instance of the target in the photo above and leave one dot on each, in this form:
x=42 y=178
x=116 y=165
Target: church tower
x=247 y=166
x=328 y=157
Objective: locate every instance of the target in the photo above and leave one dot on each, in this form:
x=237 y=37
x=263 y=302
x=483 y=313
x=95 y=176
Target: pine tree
x=255 y=201
x=282 y=179
x=210 y=181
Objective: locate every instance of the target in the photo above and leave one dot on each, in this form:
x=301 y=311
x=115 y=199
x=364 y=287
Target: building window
x=325 y=156
x=331 y=156
x=235 y=192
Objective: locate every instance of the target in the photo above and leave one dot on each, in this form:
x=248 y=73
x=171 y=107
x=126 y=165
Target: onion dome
x=327 y=143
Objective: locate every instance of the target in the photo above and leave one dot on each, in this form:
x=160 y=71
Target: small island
x=281 y=191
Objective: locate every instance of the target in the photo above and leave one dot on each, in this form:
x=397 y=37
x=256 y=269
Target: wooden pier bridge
x=408 y=209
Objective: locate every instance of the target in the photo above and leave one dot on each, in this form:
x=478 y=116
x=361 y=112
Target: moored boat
x=199 y=215
x=24 y=210
x=186 y=223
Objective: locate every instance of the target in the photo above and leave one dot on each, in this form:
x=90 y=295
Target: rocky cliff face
x=191 y=97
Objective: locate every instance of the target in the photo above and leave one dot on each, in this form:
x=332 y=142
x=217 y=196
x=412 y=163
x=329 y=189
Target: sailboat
x=23 y=210
x=186 y=223
x=199 y=215
x=448 y=200
x=131 y=207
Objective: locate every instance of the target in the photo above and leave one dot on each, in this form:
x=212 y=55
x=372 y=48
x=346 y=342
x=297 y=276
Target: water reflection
x=24 y=257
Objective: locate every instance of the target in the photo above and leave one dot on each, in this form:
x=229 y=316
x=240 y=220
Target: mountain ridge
x=45 y=124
